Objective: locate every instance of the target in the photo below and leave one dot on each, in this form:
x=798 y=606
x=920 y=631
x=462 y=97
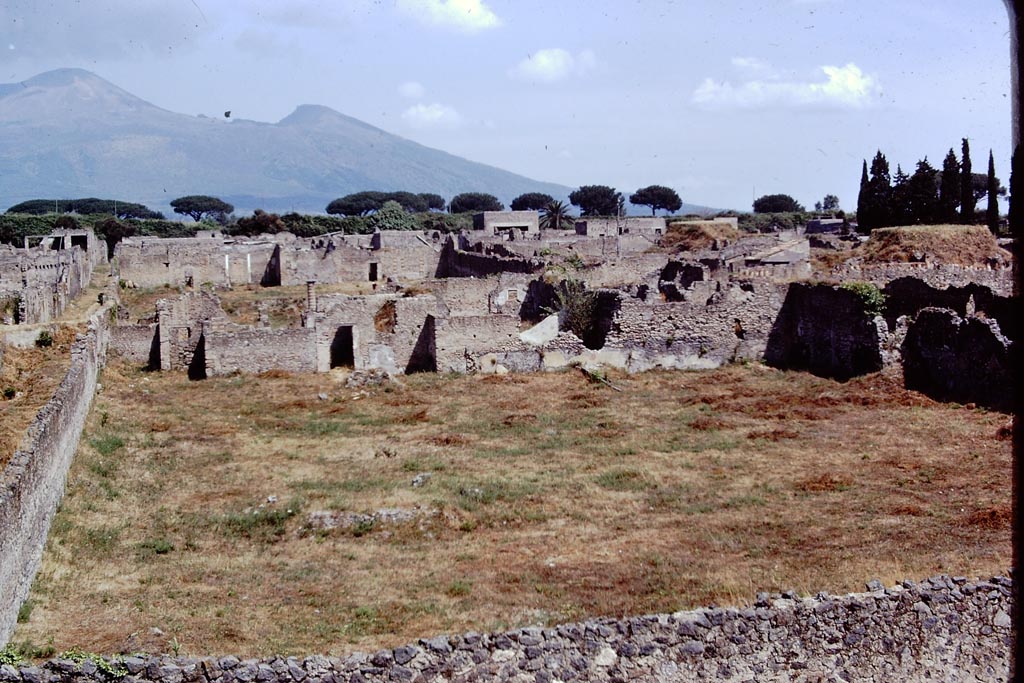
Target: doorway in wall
x=373 y=272
x=343 y=348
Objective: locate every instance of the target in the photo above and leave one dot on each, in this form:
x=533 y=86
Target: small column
x=311 y=295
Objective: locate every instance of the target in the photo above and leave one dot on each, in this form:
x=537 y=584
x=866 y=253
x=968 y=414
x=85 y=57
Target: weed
x=459 y=588
x=261 y=524
x=870 y=296
x=106 y=444
x=25 y=611
x=114 y=668
x=153 y=546
x=10 y=392
x=623 y=480
x=9 y=655
x=44 y=340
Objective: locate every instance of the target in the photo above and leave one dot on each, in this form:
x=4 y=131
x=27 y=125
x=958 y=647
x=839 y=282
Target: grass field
x=195 y=516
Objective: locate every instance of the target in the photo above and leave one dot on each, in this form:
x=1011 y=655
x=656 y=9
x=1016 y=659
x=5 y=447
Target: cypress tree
x=879 y=193
x=992 y=212
x=862 y=197
x=967 y=202
x=923 y=193
x=949 y=189
x=900 y=199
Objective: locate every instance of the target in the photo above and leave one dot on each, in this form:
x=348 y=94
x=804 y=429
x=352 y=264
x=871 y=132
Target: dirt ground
x=197 y=513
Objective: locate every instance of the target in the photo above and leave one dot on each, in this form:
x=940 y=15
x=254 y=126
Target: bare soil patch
x=480 y=504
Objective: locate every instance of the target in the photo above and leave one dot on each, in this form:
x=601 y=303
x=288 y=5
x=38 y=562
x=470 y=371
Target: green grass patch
x=623 y=480
x=106 y=444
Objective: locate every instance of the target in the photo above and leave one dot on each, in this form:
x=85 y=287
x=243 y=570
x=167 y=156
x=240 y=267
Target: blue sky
x=719 y=100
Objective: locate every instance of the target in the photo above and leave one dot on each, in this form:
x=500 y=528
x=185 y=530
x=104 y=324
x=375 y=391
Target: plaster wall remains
x=954 y=358
x=462 y=341
x=181 y=323
x=455 y=262
x=942 y=629
x=224 y=262
x=138 y=344
x=621 y=225
x=32 y=483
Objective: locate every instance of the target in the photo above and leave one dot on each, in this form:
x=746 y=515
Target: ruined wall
x=824 y=329
x=938 y=275
x=943 y=629
x=180 y=323
x=455 y=262
x=951 y=358
x=908 y=295
x=37 y=284
x=238 y=348
x=137 y=344
x=714 y=324
x=32 y=483
x=154 y=261
x=331 y=260
x=461 y=341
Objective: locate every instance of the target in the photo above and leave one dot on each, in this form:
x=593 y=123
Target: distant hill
x=69 y=133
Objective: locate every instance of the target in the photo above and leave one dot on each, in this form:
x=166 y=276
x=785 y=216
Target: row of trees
x=89 y=206
x=929 y=195
x=592 y=200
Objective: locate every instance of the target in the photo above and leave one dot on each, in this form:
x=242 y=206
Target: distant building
x=622 y=225
x=818 y=226
x=508 y=223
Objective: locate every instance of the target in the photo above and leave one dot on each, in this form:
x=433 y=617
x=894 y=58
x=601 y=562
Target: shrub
x=44 y=340
x=870 y=296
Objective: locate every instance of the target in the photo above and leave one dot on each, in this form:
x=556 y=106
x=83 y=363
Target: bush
x=44 y=340
x=870 y=296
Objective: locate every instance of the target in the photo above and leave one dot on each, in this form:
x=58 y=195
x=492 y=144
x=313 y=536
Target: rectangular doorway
x=343 y=348
x=373 y=272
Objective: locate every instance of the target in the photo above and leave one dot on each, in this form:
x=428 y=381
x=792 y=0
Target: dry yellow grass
x=967 y=245
x=691 y=236
x=550 y=499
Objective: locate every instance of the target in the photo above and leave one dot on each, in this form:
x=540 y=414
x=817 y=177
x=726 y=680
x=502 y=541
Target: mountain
x=69 y=133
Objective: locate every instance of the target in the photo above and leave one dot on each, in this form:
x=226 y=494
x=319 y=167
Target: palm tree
x=556 y=216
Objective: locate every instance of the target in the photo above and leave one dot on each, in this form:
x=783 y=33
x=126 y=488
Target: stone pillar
x=310 y=296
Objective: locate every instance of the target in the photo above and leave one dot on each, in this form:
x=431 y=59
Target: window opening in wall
x=373 y=272
x=80 y=241
x=343 y=348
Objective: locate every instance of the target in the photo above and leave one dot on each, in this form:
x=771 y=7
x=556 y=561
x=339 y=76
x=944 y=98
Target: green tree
x=875 y=211
x=777 y=203
x=830 y=203
x=199 y=205
x=357 y=204
x=899 y=204
x=391 y=216
x=863 y=195
x=434 y=202
x=113 y=231
x=967 y=197
x=657 y=197
x=410 y=202
x=949 y=189
x=259 y=223
x=556 y=216
x=923 y=194
x=992 y=211
x=474 y=202
x=531 y=201
x=596 y=200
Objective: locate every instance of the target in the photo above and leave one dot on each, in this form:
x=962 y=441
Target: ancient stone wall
x=154 y=261
x=714 y=324
x=455 y=262
x=825 y=330
x=952 y=358
x=237 y=348
x=32 y=483
x=463 y=340
x=137 y=344
x=38 y=283
x=942 y=629
x=908 y=295
x=939 y=275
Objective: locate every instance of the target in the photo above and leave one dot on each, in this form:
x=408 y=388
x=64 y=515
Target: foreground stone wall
x=32 y=484
x=939 y=275
x=946 y=629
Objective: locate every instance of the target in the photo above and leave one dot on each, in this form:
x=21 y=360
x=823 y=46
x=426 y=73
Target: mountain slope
x=69 y=133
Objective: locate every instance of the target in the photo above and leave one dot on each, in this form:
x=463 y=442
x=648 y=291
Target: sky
x=721 y=100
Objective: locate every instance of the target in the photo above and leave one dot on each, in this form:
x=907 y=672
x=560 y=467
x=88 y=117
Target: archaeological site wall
x=36 y=284
x=137 y=344
x=825 y=330
x=942 y=629
x=154 y=261
x=908 y=295
x=938 y=275
x=233 y=348
x=32 y=483
x=954 y=358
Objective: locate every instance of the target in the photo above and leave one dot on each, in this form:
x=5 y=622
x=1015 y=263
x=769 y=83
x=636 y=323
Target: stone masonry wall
x=951 y=358
x=32 y=483
x=135 y=343
x=939 y=275
x=942 y=629
x=237 y=348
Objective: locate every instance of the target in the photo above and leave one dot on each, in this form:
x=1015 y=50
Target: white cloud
x=412 y=90
x=844 y=86
x=753 y=66
x=465 y=15
x=553 y=64
x=432 y=116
